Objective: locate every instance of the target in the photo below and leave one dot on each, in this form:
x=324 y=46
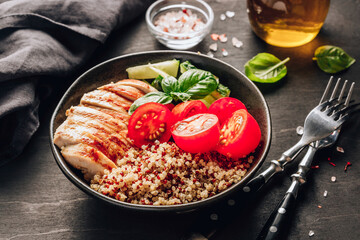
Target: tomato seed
x=162 y=125
x=139 y=123
x=137 y=126
x=162 y=129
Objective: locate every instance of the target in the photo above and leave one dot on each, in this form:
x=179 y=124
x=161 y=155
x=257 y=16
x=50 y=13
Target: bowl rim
x=206 y=28
x=80 y=183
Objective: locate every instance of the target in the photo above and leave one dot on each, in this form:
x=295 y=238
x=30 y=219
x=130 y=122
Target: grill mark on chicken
x=96 y=126
x=146 y=88
x=72 y=134
x=91 y=113
x=123 y=90
x=106 y=99
x=124 y=117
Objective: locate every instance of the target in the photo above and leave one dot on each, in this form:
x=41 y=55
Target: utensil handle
x=254 y=185
x=279 y=220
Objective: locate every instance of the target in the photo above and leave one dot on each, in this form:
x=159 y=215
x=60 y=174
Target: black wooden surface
x=38 y=202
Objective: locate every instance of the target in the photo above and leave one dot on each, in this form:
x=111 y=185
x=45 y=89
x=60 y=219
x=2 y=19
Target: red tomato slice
x=198 y=133
x=224 y=107
x=188 y=109
x=170 y=106
x=150 y=122
x=239 y=135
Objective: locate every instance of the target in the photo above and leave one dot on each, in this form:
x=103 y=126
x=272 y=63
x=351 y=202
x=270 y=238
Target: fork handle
x=278 y=222
x=254 y=185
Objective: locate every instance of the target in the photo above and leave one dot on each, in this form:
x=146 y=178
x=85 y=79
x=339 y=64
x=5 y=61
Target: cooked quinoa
x=163 y=174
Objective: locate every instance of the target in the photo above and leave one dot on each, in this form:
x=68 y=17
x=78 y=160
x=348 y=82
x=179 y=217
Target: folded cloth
x=47 y=39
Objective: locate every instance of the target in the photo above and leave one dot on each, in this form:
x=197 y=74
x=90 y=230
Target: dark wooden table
x=38 y=202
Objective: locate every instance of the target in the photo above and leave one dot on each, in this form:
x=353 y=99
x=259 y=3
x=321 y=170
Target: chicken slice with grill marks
x=96 y=127
x=107 y=100
x=142 y=86
x=69 y=134
x=91 y=113
x=88 y=159
x=128 y=92
x=124 y=117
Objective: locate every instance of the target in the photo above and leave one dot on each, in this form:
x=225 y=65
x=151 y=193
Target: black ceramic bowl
x=114 y=70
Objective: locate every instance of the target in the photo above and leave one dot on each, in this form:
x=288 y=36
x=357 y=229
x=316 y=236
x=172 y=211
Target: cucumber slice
x=171 y=67
x=208 y=100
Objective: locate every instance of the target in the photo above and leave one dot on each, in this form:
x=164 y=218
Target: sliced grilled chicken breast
x=105 y=119
x=128 y=92
x=86 y=158
x=120 y=137
x=124 y=117
x=142 y=86
x=74 y=133
x=95 y=135
x=105 y=99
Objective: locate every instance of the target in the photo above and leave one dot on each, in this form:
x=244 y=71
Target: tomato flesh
x=224 y=107
x=239 y=135
x=197 y=134
x=188 y=109
x=170 y=106
x=150 y=122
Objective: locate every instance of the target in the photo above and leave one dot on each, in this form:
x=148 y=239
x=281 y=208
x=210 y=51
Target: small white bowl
x=180 y=41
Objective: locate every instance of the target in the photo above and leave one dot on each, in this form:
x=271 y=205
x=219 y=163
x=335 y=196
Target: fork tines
x=335 y=105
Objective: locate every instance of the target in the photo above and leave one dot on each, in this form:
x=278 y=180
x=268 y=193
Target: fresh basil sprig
x=332 y=59
x=193 y=84
x=197 y=83
x=265 y=68
x=158 y=97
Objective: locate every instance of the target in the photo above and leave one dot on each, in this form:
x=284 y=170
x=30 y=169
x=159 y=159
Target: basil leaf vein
x=266 y=68
x=332 y=59
x=197 y=83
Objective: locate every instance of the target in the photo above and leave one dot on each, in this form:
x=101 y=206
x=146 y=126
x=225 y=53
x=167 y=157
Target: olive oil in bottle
x=287 y=23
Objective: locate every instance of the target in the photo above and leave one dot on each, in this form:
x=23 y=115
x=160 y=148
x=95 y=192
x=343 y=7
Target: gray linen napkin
x=47 y=39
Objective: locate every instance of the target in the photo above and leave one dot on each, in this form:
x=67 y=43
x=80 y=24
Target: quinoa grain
x=163 y=174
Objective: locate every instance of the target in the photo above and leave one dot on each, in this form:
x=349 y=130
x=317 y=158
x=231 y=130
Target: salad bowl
x=115 y=69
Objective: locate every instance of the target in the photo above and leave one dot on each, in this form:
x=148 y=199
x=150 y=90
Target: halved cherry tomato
x=150 y=122
x=198 y=133
x=224 y=107
x=188 y=109
x=170 y=106
x=239 y=135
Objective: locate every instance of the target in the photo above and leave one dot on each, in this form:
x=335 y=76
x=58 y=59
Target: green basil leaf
x=265 y=68
x=180 y=96
x=332 y=59
x=169 y=84
x=158 y=97
x=157 y=83
x=184 y=66
x=197 y=83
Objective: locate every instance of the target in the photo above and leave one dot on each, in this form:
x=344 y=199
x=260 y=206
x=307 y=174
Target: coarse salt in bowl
x=179 y=25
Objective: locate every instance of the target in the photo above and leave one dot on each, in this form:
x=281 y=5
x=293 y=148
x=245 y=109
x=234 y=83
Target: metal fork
x=323 y=120
x=276 y=225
